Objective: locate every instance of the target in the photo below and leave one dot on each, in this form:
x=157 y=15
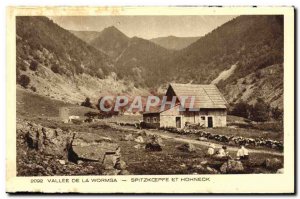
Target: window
x=202 y=118
x=154 y=120
x=148 y=119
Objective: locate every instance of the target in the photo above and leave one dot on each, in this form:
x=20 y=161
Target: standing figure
x=211 y=149
x=242 y=153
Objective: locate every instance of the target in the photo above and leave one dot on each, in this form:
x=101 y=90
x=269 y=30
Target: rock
x=90 y=167
x=202 y=138
x=138 y=146
x=103 y=139
x=111 y=172
x=49 y=141
x=183 y=165
x=273 y=163
x=139 y=139
x=260 y=170
x=280 y=171
x=154 y=144
x=118 y=151
x=204 y=162
x=109 y=161
x=232 y=166
x=128 y=137
x=211 y=170
x=142 y=133
x=120 y=165
x=124 y=172
x=63 y=162
x=79 y=162
x=199 y=166
x=93 y=147
x=188 y=147
x=157 y=139
x=153 y=147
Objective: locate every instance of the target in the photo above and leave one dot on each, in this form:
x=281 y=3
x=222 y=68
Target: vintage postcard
x=150 y=100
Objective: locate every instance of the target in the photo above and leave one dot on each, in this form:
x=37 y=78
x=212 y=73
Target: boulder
x=128 y=137
x=156 y=139
x=183 y=165
x=211 y=170
x=232 y=166
x=124 y=172
x=204 y=162
x=153 y=147
x=154 y=144
x=49 y=141
x=142 y=133
x=91 y=146
x=138 y=146
x=109 y=161
x=120 y=165
x=187 y=147
x=273 y=163
x=139 y=139
x=199 y=166
x=202 y=139
x=63 y=162
x=111 y=172
x=280 y=171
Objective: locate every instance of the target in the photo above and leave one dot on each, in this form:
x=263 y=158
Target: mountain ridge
x=253 y=43
x=174 y=43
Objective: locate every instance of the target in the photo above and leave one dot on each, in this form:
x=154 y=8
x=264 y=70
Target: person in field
x=242 y=153
x=211 y=150
x=222 y=152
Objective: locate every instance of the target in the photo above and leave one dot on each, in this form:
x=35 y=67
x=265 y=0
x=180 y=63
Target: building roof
x=158 y=109
x=206 y=95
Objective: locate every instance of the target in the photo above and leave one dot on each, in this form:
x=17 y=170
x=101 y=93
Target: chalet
x=209 y=108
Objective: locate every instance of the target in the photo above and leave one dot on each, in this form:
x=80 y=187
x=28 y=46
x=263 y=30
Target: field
x=171 y=160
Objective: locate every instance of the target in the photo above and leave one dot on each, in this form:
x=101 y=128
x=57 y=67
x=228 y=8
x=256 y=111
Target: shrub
x=277 y=114
x=241 y=109
x=55 y=68
x=24 y=80
x=22 y=66
x=33 y=65
x=33 y=88
x=87 y=103
x=260 y=111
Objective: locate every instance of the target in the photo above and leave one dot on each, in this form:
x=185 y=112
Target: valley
x=59 y=69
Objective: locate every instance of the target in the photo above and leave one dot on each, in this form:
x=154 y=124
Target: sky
x=146 y=27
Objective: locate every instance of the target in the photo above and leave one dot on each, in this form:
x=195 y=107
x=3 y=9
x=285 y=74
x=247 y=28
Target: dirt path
x=166 y=135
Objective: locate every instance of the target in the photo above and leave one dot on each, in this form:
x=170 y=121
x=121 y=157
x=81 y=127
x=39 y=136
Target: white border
x=288 y=111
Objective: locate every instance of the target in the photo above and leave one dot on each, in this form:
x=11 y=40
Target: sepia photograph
x=150 y=95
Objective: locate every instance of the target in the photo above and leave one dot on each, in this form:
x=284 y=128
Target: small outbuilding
x=209 y=108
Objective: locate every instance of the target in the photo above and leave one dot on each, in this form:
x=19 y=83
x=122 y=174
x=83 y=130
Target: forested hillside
x=174 y=43
x=53 y=62
x=254 y=44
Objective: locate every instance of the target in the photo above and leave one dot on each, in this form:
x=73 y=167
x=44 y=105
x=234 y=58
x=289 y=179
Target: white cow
x=73 y=117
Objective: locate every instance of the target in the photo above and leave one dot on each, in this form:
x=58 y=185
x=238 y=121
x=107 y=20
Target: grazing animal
x=73 y=117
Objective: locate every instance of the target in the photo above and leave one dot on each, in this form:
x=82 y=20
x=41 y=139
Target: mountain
x=174 y=43
x=249 y=43
x=242 y=56
x=143 y=62
x=111 y=41
x=86 y=36
x=252 y=43
x=53 y=62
